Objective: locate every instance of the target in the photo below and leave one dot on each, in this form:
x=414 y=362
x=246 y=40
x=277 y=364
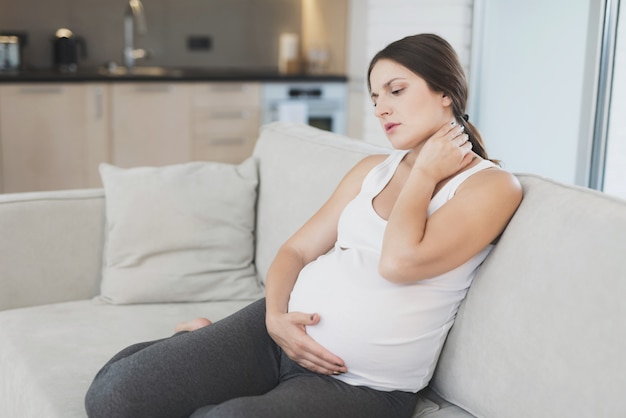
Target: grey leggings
x=230 y=369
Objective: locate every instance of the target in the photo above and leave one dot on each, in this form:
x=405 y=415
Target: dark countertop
x=151 y=74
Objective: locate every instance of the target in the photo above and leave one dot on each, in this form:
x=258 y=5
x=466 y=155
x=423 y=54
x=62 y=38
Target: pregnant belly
x=375 y=326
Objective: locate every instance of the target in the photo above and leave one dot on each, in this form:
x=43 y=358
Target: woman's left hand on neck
x=445 y=153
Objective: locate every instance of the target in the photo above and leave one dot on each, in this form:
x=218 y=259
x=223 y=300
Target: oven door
x=323 y=114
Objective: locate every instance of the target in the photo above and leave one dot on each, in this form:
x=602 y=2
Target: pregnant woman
x=360 y=300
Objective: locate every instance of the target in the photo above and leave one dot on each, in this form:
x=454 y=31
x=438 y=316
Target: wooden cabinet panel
x=50 y=136
x=150 y=124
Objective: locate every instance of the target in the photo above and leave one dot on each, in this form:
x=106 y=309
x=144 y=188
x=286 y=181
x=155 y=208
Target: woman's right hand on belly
x=289 y=331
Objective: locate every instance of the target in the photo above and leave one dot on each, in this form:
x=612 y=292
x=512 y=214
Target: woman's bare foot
x=192 y=325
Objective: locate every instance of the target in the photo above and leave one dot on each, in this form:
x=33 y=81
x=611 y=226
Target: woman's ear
x=446 y=101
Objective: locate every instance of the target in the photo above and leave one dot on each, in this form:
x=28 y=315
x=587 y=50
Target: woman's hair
x=434 y=60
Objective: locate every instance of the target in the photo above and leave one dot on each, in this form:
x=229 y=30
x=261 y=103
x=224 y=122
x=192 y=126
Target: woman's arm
x=417 y=247
x=316 y=237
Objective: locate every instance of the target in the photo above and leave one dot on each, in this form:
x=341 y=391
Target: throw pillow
x=180 y=233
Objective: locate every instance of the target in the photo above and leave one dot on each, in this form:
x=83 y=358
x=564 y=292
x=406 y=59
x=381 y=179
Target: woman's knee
x=103 y=396
x=98 y=398
x=114 y=388
x=115 y=395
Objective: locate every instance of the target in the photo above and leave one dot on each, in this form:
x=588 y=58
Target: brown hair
x=434 y=60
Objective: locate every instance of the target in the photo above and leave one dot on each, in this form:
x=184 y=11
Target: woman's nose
x=381 y=109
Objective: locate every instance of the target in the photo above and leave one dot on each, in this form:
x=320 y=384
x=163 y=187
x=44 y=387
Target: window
x=615 y=159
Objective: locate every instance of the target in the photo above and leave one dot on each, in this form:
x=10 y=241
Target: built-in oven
x=319 y=104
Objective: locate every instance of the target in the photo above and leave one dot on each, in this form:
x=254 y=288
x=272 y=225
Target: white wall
x=533 y=91
x=375 y=23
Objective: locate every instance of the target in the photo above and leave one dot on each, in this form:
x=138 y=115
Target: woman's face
x=408 y=110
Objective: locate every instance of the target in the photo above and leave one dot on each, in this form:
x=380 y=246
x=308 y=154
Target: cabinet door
x=150 y=124
x=52 y=136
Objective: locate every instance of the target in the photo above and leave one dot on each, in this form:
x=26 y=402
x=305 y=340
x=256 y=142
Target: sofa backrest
x=50 y=246
x=541 y=332
x=299 y=168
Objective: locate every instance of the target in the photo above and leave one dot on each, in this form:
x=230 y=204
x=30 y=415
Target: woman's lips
x=390 y=126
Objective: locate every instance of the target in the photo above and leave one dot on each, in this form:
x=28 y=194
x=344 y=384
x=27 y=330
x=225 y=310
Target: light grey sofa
x=542 y=332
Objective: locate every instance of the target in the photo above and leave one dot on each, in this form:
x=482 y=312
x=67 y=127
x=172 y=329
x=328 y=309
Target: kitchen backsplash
x=241 y=33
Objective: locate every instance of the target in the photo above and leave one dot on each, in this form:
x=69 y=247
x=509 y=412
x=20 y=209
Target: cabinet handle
x=99 y=103
x=153 y=88
x=228 y=141
x=225 y=114
x=42 y=90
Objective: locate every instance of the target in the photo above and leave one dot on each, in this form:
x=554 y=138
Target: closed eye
x=397 y=91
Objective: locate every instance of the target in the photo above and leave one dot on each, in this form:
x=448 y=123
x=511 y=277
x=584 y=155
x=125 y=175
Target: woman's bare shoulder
x=369 y=162
x=494 y=179
x=499 y=175
x=353 y=179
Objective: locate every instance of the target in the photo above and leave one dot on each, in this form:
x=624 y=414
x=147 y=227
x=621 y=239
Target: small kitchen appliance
x=66 y=47
x=10 y=54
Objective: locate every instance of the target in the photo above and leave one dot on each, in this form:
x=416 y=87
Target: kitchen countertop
x=151 y=74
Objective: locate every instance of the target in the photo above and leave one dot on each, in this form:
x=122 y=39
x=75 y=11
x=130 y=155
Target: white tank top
x=389 y=335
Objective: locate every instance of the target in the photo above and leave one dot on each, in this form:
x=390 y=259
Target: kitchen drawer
x=226 y=94
x=227 y=135
x=228 y=149
x=225 y=122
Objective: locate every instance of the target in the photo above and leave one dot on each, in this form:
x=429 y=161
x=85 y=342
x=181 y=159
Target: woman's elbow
x=387 y=272
x=395 y=270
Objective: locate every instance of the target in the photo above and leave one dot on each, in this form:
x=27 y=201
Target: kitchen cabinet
x=225 y=119
x=150 y=124
x=52 y=136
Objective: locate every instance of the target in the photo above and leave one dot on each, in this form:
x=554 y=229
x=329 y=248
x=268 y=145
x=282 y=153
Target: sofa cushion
x=180 y=233
x=50 y=354
x=299 y=166
x=541 y=331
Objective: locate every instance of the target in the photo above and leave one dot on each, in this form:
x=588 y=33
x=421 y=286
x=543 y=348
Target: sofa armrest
x=50 y=246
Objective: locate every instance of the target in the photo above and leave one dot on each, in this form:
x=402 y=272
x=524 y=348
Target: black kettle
x=66 y=47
